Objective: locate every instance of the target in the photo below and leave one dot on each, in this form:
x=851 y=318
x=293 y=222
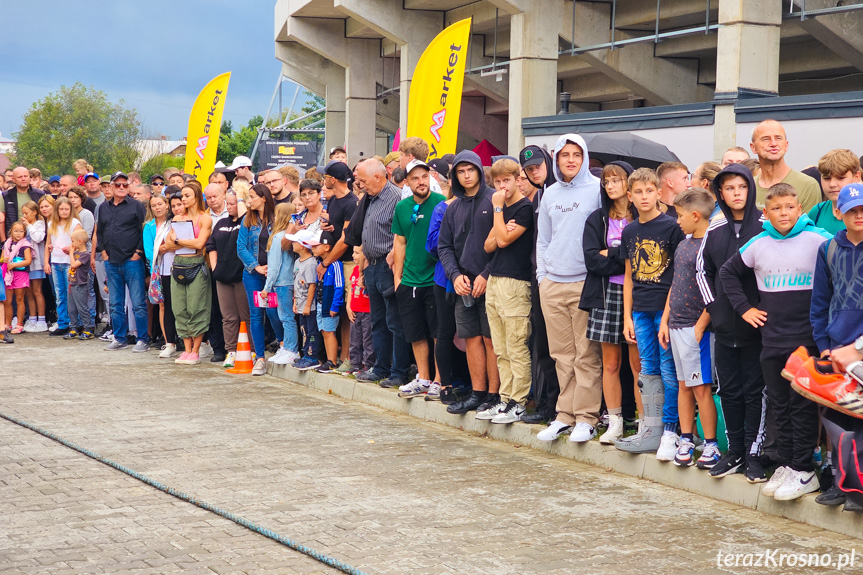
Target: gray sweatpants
x=79 y=308
x=362 y=349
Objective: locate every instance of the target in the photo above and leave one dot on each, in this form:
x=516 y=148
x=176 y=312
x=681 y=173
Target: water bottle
x=324 y=203
x=468 y=300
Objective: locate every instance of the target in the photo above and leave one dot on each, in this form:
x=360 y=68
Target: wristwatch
x=858 y=344
x=498 y=210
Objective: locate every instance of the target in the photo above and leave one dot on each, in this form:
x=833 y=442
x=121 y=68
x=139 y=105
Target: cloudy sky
x=156 y=55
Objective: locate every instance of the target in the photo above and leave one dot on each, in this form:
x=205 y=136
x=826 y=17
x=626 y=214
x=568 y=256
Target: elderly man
x=15 y=198
x=218 y=210
x=371 y=227
x=770 y=144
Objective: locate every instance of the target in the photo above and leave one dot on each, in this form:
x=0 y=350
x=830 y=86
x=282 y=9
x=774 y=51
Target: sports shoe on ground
x=852 y=506
x=491 y=399
x=191 y=359
x=85 y=335
x=709 y=456
x=582 y=432
x=41 y=326
x=344 y=367
x=6 y=336
x=470 y=403
x=615 y=430
x=283 y=357
x=794 y=363
x=685 y=456
x=307 y=363
x=433 y=393
x=451 y=394
x=553 y=431
x=141 y=347
x=326 y=367
x=511 y=413
x=52 y=328
x=369 y=375
x=115 y=345
x=205 y=350
x=413 y=389
x=183 y=358
x=728 y=464
x=391 y=381
x=488 y=413
x=18 y=329
x=71 y=334
x=107 y=335
x=780 y=476
x=833 y=496
x=59 y=332
x=168 y=350
x=30 y=325
x=260 y=367
x=817 y=381
x=753 y=470
x=798 y=484
x=218 y=358
x=667 y=446
x=229 y=359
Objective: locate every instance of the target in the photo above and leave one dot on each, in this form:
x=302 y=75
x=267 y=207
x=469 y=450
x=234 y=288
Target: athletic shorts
x=471 y=321
x=327 y=322
x=693 y=360
x=20 y=279
x=418 y=312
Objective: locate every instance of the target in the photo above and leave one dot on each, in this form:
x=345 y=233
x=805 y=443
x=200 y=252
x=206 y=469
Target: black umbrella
x=637 y=150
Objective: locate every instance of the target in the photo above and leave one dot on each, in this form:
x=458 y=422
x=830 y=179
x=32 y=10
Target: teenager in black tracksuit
x=737 y=344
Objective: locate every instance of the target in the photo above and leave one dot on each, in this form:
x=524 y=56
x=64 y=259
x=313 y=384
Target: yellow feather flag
x=205 y=123
x=436 y=87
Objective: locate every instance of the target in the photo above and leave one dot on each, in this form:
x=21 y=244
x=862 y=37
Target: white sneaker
x=512 y=412
x=667 y=446
x=615 y=430
x=168 y=350
x=409 y=385
x=776 y=481
x=280 y=358
x=53 y=327
x=553 y=431
x=41 y=326
x=260 y=367
x=492 y=411
x=582 y=432
x=230 y=357
x=30 y=325
x=797 y=484
x=205 y=351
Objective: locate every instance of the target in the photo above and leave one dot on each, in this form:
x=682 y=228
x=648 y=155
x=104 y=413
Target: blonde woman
x=59 y=245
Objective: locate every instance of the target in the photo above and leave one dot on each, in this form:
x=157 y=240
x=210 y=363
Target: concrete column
x=532 y=69
x=747 y=60
x=360 y=110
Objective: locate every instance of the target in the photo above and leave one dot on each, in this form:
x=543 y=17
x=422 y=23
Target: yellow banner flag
x=205 y=123
x=436 y=87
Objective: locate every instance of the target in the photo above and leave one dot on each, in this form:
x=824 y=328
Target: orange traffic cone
x=243 y=360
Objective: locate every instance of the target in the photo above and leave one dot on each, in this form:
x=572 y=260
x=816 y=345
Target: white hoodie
x=562 y=214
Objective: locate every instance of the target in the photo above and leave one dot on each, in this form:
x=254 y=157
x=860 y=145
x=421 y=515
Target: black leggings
x=170 y=328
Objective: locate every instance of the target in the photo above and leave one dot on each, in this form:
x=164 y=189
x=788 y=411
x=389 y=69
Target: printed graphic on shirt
x=649 y=261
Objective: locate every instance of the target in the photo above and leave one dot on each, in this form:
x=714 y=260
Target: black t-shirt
x=284 y=200
x=650 y=248
x=339 y=211
x=262 y=245
x=512 y=261
x=223 y=241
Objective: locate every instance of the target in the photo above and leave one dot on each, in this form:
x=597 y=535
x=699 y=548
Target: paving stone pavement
x=383 y=492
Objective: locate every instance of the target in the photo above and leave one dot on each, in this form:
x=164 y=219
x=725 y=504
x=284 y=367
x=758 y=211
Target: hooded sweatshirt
x=837 y=294
x=537 y=199
x=599 y=267
x=723 y=239
x=563 y=212
x=784 y=268
x=466 y=225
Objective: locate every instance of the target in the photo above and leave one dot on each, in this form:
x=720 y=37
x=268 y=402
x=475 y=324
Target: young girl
x=280 y=278
x=58 y=245
x=16 y=256
x=36 y=236
x=81 y=168
x=155 y=232
x=603 y=290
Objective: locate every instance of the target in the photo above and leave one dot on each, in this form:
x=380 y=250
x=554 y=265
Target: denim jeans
x=285 y=295
x=655 y=360
x=255 y=282
x=129 y=274
x=392 y=349
x=60 y=274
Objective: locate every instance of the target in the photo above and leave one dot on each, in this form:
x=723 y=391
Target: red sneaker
x=817 y=381
x=794 y=363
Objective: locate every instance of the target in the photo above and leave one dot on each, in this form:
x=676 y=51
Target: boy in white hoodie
x=560 y=272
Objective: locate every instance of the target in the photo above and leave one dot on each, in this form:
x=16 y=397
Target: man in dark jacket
x=15 y=198
x=738 y=344
x=464 y=229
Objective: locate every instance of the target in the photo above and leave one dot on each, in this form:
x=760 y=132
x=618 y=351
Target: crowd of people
x=545 y=288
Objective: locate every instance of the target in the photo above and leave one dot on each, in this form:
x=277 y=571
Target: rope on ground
x=325 y=559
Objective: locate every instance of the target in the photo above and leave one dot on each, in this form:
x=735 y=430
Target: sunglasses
x=158 y=183
x=415 y=213
x=121 y=186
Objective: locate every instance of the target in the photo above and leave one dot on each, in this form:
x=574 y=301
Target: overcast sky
x=154 y=54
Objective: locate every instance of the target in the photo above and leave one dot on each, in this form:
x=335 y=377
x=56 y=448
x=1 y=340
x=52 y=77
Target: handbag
x=185 y=274
x=155 y=293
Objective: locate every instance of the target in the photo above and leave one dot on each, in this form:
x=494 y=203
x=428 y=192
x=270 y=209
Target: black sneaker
x=469 y=404
x=59 y=332
x=753 y=470
x=217 y=358
x=826 y=478
x=728 y=464
x=450 y=395
x=392 y=381
x=851 y=506
x=491 y=399
x=326 y=367
x=369 y=375
x=833 y=496
x=535 y=417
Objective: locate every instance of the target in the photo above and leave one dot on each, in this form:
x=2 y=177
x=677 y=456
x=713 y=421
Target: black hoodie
x=599 y=267
x=466 y=225
x=537 y=198
x=719 y=245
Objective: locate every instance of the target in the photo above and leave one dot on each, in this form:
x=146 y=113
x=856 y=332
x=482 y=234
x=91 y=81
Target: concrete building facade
x=709 y=67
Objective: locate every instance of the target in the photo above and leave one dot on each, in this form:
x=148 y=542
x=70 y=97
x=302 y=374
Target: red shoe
x=794 y=363
x=817 y=381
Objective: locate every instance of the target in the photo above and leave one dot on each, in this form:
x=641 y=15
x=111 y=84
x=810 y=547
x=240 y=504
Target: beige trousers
x=507 y=305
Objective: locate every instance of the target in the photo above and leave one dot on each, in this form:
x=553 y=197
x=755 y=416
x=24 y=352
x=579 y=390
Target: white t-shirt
x=60 y=239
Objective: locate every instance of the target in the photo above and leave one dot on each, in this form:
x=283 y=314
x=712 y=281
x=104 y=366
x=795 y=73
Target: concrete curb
x=733 y=489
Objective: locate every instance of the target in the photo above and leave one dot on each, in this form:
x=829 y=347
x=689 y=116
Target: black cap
x=338 y=170
x=328 y=239
x=531 y=156
x=155 y=177
x=116 y=175
x=440 y=166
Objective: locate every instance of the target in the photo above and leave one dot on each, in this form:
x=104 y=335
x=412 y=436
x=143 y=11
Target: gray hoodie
x=562 y=214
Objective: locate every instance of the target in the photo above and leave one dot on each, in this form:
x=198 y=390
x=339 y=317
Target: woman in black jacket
x=603 y=289
x=228 y=273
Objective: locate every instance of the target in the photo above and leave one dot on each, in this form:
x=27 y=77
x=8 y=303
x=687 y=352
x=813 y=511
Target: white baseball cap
x=240 y=162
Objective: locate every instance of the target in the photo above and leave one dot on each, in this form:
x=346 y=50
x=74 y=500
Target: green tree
x=77 y=122
x=233 y=143
x=157 y=165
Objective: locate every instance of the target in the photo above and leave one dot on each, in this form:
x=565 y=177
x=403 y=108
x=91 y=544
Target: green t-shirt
x=22 y=199
x=808 y=190
x=419 y=265
x=822 y=216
